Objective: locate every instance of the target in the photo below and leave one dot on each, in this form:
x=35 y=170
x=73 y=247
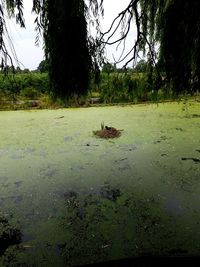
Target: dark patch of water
x=27 y=237
x=16 y=156
x=18 y=183
x=173 y=206
x=18 y=199
x=9 y=235
x=104 y=191
x=68 y=138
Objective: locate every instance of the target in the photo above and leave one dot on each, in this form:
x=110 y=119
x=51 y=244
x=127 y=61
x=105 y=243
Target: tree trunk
x=66 y=48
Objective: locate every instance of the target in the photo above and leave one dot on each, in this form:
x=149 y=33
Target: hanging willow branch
x=124 y=21
x=12 y=8
x=144 y=13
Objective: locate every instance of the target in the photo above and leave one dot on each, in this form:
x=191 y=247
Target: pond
x=78 y=199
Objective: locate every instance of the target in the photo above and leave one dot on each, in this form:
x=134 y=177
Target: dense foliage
x=114 y=86
x=28 y=85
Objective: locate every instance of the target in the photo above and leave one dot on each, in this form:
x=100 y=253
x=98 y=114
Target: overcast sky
x=31 y=55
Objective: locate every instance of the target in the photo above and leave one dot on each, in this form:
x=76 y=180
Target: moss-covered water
x=80 y=199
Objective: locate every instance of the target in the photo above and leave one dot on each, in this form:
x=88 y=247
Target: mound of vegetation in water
x=107 y=132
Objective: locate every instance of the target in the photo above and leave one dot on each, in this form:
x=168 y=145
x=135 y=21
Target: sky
x=29 y=55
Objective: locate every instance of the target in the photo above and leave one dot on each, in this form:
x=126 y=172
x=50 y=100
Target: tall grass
x=114 y=87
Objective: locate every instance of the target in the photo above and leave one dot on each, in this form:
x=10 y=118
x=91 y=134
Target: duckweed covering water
x=80 y=199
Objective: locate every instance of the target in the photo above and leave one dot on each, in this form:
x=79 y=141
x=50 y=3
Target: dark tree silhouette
x=181 y=44
x=65 y=36
x=68 y=48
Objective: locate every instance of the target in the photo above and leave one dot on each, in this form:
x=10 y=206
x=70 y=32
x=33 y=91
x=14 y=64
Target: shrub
x=30 y=93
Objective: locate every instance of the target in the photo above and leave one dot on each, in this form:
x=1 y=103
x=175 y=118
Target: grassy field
x=79 y=199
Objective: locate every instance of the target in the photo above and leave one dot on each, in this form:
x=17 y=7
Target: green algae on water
x=129 y=196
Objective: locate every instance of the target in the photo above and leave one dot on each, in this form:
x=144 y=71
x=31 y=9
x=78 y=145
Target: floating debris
x=164 y=155
x=61 y=117
x=194 y=159
x=117 y=160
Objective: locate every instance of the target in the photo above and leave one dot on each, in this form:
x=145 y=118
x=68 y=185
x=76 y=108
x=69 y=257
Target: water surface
x=80 y=199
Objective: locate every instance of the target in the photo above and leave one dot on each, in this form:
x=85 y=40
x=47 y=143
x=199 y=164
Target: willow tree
x=64 y=29
x=171 y=25
x=180 y=43
x=68 y=47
